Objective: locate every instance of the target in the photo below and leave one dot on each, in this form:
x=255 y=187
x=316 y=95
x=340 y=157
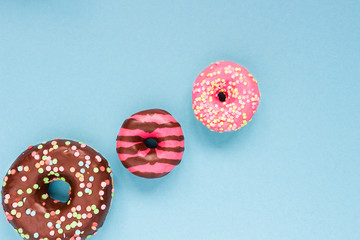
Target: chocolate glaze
x=34 y=214
x=141 y=139
x=150 y=126
x=141 y=147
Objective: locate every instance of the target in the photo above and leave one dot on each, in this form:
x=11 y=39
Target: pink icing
x=168 y=155
x=171 y=143
x=123 y=156
x=157 y=118
x=156 y=168
x=126 y=144
x=241 y=91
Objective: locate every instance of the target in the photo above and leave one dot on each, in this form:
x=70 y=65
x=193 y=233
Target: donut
x=225 y=96
x=35 y=214
x=157 y=160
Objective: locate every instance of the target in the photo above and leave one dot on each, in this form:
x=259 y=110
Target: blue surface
x=78 y=69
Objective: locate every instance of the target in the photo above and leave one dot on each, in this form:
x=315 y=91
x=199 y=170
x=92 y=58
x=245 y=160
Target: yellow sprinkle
x=210 y=98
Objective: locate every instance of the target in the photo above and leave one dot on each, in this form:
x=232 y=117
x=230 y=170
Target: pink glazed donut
x=158 y=158
x=225 y=96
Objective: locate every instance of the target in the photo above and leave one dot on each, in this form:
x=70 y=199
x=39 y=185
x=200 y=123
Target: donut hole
x=222 y=96
x=59 y=190
x=151 y=143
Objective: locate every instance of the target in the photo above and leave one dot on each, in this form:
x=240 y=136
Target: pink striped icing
x=168 y=155
x=157 y=118
x=124 y=156
x=156 y=168
x=126 y=144
x=150 y=156
x=171 y=143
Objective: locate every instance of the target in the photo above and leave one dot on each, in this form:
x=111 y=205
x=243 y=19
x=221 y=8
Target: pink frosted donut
x=225 y=96
x=167 y=148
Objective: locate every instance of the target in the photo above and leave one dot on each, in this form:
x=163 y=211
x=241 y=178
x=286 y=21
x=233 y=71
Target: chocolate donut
x=156 y=161
x=36 y=215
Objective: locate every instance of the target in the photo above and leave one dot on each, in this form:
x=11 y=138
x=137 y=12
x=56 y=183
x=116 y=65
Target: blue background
x=78 y=69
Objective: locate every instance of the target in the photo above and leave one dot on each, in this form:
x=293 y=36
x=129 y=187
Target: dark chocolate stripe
x=133 y=149
x=171 y=149
x=170 y=137
x=150 y=174
x=152 y=112
x=142 y=147
x=141 y=139
x=136 y=161
x=149 y=127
